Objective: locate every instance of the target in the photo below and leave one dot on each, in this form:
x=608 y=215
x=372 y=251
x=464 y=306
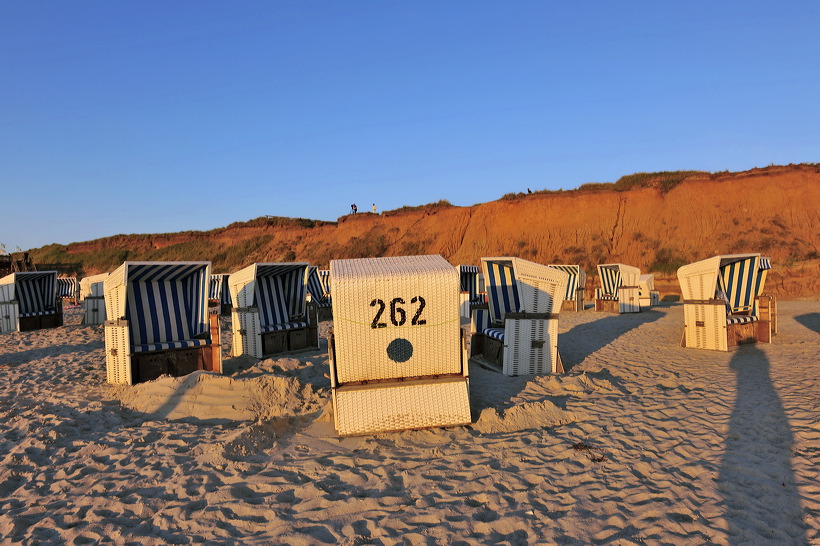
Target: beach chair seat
x=397 y=352
x=159 y=322
x=518 y=329
x=723 y=302
x=271 y=313
x=29 y=301
x=620 y=290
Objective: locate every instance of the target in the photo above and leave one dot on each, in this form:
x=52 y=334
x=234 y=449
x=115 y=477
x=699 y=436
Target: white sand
x=640 y=441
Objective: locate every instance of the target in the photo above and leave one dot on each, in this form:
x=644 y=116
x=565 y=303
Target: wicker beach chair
x=29 y=301
x=271 y=313
x=219 y=295
x=159 y=322
x=471 y=282
x=92 y=294
x=723 y=302
x=619 y=289
x=68 y=289
x=518 y=328
x=647 y=295
x=318 y=294
x=576 y=281
x=397 y=352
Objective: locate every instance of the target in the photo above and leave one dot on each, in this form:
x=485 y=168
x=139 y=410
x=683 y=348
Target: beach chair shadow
x=810 y=321
x=585 y=339
x=49 y=352
x=755 y=472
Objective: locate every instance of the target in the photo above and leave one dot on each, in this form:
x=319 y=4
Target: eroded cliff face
x=773 y=211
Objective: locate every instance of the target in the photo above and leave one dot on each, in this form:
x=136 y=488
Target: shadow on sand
x=810 y=321
x=756 y=477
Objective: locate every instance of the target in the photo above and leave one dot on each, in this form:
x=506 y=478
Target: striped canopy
x=218 y=289
x=610 y=279
x=742 y=278
x=502 y=290
x=574 y=275
x=67 y=287
x=315 y=286
x=324 y=278
x=280 y=292
x=35 y=291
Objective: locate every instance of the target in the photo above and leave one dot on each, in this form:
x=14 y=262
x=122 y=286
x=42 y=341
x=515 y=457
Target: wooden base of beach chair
x=325 y=313
x=767 y=307
x=299 y=339
x=607 y=306
x=41 y=322
x=174 y=362
x=493 y=351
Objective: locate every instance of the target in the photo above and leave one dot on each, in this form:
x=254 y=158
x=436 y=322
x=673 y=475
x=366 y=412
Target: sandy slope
x=641 y=441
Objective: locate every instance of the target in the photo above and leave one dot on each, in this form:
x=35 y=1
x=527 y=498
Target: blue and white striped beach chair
x=318 y=294
x=619 y=289
x=724 y=304
x=68 y=289
x=470 y=285
x=518 y=329
x=576 y=281
x=219 y=294
x=159 y=322
x=271 y=313
x=29 y=301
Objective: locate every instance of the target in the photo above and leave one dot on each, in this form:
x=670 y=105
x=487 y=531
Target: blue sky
x=152 y=117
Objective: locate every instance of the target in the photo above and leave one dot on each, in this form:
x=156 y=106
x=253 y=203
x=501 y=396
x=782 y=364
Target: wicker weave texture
x=8 y=316
x=395 y=318
x=117 y=354
x=530 y=346
x=705 y=326
x=402 y=406
x=629 y=299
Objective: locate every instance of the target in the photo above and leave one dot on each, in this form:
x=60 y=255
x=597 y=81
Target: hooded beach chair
x=219 y=295
x=68 y=289
x=576 y=281
x=29 y=301
x=92 y=294
x=318 y=294
x=397 y=352
x=158 y=321
x=723 y=302
x=647 y=295
x=518 y=328
x=619 y=289
x=470 y=289
x=271 y=314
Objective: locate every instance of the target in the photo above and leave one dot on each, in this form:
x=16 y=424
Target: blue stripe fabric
x=572 y=272
x=738 y=282
x=610 y=280
x=479 y=320
x=218 y=289
x=469 y=279
x=502 y=290
x=36 y=293
x=166 y=303
x=185 y=344
x=740 y=319
x=280 y=293
x=284 y=326
x=67 y=287
x=495 y=333
x=324 y=276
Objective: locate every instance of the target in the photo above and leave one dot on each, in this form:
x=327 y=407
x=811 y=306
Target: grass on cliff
x=665 y=181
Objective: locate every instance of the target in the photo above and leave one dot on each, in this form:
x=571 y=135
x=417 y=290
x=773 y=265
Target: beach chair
x=29 y=301
x=647 y=295
x=576 y=281
x=158 y=322
x=723 y=302
x=271 y=314
x=68 y=289
x=619 y=289
x=318 y=294
x=397 y=352
x=470 y=294
x=92 y=294
x=219 y=295
x=518 y=328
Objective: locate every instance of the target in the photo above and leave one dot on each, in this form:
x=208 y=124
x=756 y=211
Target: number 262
x=398 y=316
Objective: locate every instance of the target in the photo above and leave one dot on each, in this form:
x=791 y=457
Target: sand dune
x=640 y=441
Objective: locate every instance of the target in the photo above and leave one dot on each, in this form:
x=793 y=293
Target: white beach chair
x=318 y=294
x=470 y=294
x=576 y=281
x=29 y=301
x=219 y=295
x=92 y=294
x=723 y=302
x=518 y=329
x=397 y=353
x=271 y=314
x=619 y=289
x=159 y=322
x=647 y=295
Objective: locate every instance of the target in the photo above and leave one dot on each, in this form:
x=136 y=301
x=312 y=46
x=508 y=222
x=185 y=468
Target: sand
x=641 y=441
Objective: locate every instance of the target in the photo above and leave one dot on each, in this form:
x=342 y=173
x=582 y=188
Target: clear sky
x=163 y=116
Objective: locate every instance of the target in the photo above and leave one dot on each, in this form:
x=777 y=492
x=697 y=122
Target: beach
x=640 y=441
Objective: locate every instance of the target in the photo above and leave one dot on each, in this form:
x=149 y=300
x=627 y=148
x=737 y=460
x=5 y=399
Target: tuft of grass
x=442 y=203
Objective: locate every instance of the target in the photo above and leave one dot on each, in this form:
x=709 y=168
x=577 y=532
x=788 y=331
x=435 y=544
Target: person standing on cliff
x=374 y=208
